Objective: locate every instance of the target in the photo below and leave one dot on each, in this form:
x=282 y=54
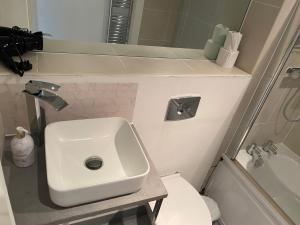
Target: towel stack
x=228 y=54
x=213 y=45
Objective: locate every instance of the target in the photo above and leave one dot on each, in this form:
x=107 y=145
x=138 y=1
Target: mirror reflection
x=165 y=23
x=271 y=153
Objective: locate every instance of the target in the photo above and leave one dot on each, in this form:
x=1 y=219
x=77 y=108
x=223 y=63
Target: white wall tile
x=187 y=146
x=192 y=144
x=254 y=36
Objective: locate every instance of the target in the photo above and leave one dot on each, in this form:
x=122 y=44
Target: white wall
x=136 y=20
x=6 y=216
x=14 y=13
x=187 y=146
x=84 y=20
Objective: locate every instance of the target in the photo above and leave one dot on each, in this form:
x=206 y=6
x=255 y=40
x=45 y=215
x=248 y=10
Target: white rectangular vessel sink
x=93 y=159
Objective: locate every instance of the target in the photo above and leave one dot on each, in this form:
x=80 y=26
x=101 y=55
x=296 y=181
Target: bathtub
x=279 y=176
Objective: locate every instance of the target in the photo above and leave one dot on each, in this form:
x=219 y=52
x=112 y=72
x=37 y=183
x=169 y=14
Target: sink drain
x=94 y=163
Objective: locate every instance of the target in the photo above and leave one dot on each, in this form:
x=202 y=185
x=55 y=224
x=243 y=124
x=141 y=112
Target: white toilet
x=184 y=205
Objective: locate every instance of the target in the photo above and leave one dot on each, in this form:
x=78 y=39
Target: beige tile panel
x=154 y=25
x=154 y=66
x=78 y=63
x=256 y=28
x=279 y=96
x=293 y=140
x=194 y=34
x=13 y=107
x=273 y=105
x=100 y=96
x=172 y=27
x=274 y=35
x=2 y=137
x=139 y=50
x=135 y=65
x=86 y=100
x=276 y=3
x=78 y=47
x=92 y=100
x=186 y=53
x=261 y=133
x=164 y=5
x=231 y=13
x=204 y=10
x=150 y=42
x=211 y=68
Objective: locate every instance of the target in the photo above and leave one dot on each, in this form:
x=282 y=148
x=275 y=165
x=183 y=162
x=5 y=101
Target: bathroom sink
x=93 y=159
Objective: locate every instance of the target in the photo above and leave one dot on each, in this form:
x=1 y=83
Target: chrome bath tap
x=35 y=91
x=270 y=147
x=255 y=152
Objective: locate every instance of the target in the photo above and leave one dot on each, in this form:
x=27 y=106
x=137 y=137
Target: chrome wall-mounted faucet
x=270 y=147
x=35 y=91
x=255 y=152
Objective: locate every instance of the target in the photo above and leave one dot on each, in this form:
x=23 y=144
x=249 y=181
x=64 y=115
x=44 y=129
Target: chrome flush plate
x=182 y=108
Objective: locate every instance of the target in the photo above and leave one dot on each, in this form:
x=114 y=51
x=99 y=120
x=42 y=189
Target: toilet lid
x=184 y=205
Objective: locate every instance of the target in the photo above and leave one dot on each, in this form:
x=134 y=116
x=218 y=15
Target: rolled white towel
x=232 y=41
x=211 y=49
x=219 y=34
x=227 y=58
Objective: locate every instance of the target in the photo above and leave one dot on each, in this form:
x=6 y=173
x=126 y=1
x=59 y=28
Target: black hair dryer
x=15 y=42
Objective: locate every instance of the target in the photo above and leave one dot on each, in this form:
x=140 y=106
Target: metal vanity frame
x=35 y=193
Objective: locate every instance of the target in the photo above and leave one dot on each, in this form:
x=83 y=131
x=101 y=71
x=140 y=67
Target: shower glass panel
x=271 y=151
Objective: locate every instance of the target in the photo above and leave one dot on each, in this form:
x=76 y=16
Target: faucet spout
x=35 y=91
x=270 y=147
x=57 y=102
x=256 y=154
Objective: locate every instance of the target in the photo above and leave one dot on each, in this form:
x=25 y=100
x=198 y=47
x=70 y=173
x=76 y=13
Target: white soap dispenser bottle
x=22 y=147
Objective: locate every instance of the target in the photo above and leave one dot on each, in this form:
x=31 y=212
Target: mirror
x=271 y=152
x=174 y=28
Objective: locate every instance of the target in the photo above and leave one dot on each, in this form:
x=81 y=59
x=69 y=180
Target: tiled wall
x=139 y=89
x=262 y=24
x=86 y=99
x=198 y=18
x=188 y=23
x=292 y=140
x=159 y=22
x=6 y=215
x=271 y=123
x=271 y=15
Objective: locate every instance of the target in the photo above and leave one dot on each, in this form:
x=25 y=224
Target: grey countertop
x=30 y=200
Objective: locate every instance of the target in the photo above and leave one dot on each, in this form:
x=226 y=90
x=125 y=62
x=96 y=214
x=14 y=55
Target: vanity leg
x=156 y=211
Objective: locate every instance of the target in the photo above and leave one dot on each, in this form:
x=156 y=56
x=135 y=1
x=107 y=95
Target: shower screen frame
x=265 y=86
